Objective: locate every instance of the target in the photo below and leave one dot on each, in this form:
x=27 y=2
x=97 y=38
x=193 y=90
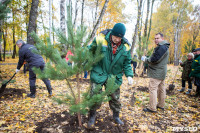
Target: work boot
x=197 y=94
x=92 y=116
x=116 y=118
x=182 y=90
x=50 y=91
x=188 y=92
x=33 y=91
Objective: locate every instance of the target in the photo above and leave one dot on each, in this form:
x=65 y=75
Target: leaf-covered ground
x=19 y=113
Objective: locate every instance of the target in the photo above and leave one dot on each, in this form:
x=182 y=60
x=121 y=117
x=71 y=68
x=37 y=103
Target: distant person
x=69 y=53
x=145 y=67
x=134 y=62
x=85 y=74
x=196 y=71
x=33 y=60
x=157 y=70
x=186 y=71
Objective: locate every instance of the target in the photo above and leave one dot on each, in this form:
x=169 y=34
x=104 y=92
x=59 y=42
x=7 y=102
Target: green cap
x=119 y=30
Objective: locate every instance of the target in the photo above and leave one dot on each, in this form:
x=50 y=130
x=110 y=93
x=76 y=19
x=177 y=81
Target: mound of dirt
x=64 y=122
x=11 y=93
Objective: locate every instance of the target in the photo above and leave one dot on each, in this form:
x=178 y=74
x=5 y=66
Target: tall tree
x=150 y=21
x=32 y=20
x=179 y=19
x=139 y=9
x=82 y=11
x=50 y=20
x=99 y=20
x=147 y=18
x=3 y=14
x=62 y=16
x=14 y=46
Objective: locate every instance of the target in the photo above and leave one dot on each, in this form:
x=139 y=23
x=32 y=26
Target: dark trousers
x=189 y=84
x=25 y=68
x=85 y=74
x=197 y=83
x=134 y=66
x=114 y=103
x=32 y=78
x=145 y=69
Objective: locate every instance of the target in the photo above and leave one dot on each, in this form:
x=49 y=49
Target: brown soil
x=67 y=123
x=10 y=93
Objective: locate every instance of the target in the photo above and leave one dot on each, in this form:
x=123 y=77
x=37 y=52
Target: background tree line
x=178 y=20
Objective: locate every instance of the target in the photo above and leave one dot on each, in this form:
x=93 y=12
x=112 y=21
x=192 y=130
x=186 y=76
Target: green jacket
x=111 y=64
x=186 y=69
x=157 y=62
x=196 y=67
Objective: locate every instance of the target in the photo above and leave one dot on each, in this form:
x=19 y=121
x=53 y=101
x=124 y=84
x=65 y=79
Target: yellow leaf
x=22 y=119
x=24 y=94
x=2 y=122
x=31 y=129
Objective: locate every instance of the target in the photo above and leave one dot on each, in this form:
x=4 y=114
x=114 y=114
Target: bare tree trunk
x=27 y=14
x=50 y=20
x=4 y=42
x=140 y=27
x=62 y=16
x=146 y=24
x=99 y=20
x=147 y=18
x=1 y=33
x=14 y=46
x=95 y=16
x=149 y=32
x=139 y=3
x=13 y=28
x=82 y=12
x=76 y=13
x=32 y=20
x=177 y=33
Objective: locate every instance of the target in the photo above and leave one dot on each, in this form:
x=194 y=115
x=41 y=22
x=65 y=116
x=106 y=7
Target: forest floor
x=42 y=114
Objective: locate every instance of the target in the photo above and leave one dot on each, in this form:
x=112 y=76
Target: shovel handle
x=11 y=78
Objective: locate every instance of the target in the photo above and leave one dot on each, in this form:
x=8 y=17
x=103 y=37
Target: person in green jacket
x=116 y=61
x=196 y=71
x=186 y=71
x=157 y=70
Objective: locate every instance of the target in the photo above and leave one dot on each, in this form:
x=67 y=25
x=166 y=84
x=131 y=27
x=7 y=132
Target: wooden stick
x=132 y=101
x=176 y=72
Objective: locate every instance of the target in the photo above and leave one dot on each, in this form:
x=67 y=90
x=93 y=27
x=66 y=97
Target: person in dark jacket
x=116 y=61
x=196 y=71
x=134 y=62
x=186 y=71
x=33 y=60
x=157 y=70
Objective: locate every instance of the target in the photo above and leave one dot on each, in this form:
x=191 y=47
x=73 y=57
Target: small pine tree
x=58 y=69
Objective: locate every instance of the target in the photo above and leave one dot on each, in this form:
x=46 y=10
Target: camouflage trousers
x=114 y=103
